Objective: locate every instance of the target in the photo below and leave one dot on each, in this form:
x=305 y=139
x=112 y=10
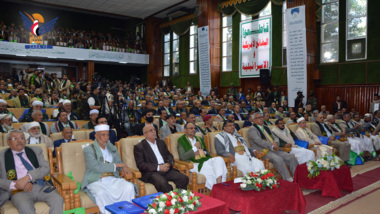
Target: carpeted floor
x=366 y=179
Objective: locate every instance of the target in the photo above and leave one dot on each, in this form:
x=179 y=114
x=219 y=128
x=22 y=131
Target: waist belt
x=107 y=174
x=239 y=149
x=14 y=191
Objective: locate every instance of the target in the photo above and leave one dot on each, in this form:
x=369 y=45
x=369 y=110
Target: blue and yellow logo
x=33 y=23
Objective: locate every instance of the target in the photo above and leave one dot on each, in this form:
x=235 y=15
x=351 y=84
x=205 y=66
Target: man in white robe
x=230 y=144
x=101 y=180
x=286 y=140
x=192 y=148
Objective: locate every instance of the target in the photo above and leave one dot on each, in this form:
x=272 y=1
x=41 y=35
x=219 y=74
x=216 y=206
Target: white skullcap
x=329 y=117
x=37 y=102
x=3 y=101
x=33 y=124
x=94 y=111
x=368 y=115
x=60 y=101
x=66 y=101
x=102 y=127
x=5 y=116
x=300 y=119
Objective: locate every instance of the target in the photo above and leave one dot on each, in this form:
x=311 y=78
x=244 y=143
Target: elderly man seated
x=6 y=123
x=262 y=139
x=286 y=139
x=171 y=127
x=36 y=137
x=23 y=174
x=37 y=117
x=155 y=162
x=94 y=113
x=67 y=135
x=4 y=110
x=36 y=105
x=192 y=148
x=230 y=144
x=62 y=123
x=101 y=180
x=101 y=119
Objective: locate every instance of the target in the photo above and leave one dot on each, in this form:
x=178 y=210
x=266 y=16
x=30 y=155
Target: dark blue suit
x=113 y=138
x=57 y=143
x=247 y=124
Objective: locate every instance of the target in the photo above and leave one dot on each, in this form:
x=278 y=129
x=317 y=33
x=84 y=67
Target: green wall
x=343 y=72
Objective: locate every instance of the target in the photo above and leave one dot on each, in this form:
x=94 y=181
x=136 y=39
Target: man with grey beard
x=6 y=123
x=36 y=137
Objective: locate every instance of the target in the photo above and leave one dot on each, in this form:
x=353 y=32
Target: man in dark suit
x=155 y=163
x=270 y=97
x=339 y=104
x=166 y=107
x=197 y=108
x=103 y=120
x=67 y=135
x=24 y=176
x=148 y=116
x=207 y=101
x=213 y=108
x=237 y=114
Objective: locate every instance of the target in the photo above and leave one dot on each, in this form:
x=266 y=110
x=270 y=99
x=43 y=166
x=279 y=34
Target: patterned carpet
x=366 y=179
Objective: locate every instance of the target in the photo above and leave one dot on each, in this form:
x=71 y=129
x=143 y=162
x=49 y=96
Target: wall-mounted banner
x=19 y=49
x=204 y=60
x=296 y=53
x=255 y=47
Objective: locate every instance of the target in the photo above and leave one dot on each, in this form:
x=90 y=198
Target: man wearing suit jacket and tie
x=23 y=171
x=155 y=163
x=67 y=135
x=101 y=180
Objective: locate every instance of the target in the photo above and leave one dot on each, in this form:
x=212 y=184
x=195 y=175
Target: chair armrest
x=64 y=182
x=189 y=165
x=226 y=160
x=310 y=145
x=179 y=166
x=285 y=149
x=126 y=177
x=136 y=173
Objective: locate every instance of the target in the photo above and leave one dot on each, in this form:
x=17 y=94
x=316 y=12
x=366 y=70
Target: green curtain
x=249 y=7
x=180 y=28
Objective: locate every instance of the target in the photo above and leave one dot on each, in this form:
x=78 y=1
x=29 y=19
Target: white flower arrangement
x=176 y=201
x=325 y=163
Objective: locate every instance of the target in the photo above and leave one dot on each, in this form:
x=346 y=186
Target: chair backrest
x=286 y=119
x=311 y=124
x=200 y=124
x=272 y=120
x=156 y=121
x=244 y=134
x=293 y=127
x=79 y=135
x=18 y=125
x=173 y=145
x=72 y=158
x=211 y=141
x=17 y=112
x=127 y=146
x=42 y=145
x=3 y=139
x=240 y=123
x=271 y=126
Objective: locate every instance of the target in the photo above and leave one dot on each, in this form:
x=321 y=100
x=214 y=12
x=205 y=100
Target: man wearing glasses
x=262 y=139
x=24 y=176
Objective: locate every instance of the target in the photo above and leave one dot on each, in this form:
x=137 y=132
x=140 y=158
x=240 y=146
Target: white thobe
x=244 y=162
x=211 y=169
x=376 y=142
x=109 y=190
x=303 y=155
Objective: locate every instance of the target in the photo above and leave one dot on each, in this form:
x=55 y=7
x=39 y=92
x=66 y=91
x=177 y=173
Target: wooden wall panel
x=154 y=49
x=358 y=96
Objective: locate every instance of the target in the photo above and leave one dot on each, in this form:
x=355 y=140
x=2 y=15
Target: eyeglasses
x=191 y=128
x=17 y=139
x=261 y=117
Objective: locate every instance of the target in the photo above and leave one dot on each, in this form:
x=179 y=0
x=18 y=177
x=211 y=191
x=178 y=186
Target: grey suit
x=344 y=148
x=279 y=158
x=24 y=201
x=165 y=130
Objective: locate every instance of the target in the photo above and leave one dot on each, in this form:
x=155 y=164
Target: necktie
x=268 y=136
x=29 y=167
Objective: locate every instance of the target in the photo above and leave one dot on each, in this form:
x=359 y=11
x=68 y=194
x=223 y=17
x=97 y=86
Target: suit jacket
x=17 y=102
x=139 y=129
x=146 y=160
x=317 y=129
x=257 y=143
x=170 y=110
x=58 y=143
x=344 y=125
x=205 y=103
x=36 y=174
x=195 y=111
x=87 y=125
x=28 y=117
x=180 y=122
x=113 y=138
x=221 y=140
x=212 y=111
x=165 y=130
x=95 y=165
x=237 y=118
x=66 y=87
x=247 y=124
x=343 y=104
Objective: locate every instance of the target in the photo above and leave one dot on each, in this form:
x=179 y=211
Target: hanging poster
x=204 y=60
x=255 y=47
